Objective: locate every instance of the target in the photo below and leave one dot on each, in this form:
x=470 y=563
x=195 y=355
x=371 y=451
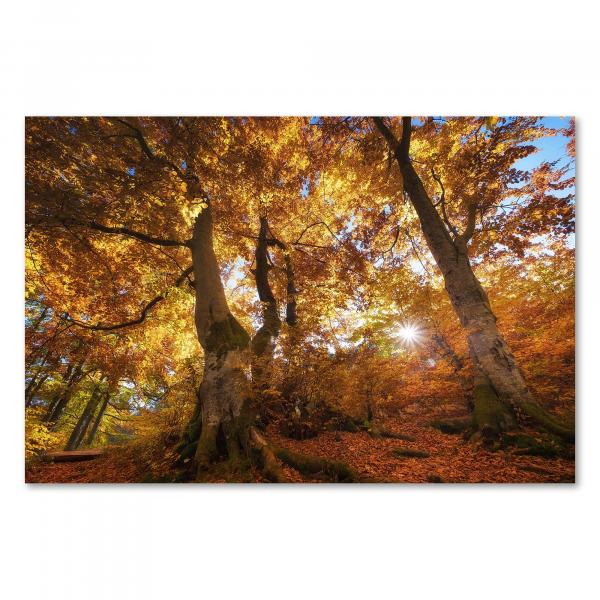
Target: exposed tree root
x=544 y=445
x=269 y=457
x=491 y=416
x=265 y=457
x=378 y=432
x=533 y=469
x=548 y=421
x=313 y=465
x=452 y=426
x=408 y=453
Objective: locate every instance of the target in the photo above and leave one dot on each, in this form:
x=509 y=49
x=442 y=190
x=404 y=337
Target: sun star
x=409 y=333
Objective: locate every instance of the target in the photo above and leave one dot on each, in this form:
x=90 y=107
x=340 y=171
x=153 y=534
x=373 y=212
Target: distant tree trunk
x=224 y=391
x=37 y=380
x=84 y=420
x=488 y=348
x=263 y=342
x=447 y=353
x=369 y=406
x=73 y=375
x=290 y=376
x=98 y=419
x=34 y=385
x=291 y=316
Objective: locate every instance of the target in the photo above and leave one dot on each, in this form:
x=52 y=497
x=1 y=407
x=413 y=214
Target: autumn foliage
x=363 y=349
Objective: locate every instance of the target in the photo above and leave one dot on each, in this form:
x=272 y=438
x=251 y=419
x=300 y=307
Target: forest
x=300 y=299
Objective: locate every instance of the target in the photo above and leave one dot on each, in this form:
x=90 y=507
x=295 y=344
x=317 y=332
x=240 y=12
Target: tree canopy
x=392 y=266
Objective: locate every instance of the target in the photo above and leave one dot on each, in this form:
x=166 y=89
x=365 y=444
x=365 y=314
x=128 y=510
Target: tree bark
x=446 y=352
x=224 y=391
x=73 y=375
x=470 y=302
x=263 y=342
x=34 y=385
x=37 y=379
x=98 y=419
x=84 y=420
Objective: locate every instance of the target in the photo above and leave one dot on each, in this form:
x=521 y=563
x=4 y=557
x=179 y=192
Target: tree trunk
x=37 y=379
x=224 y=391
x=446 y=352
x=34 y=385
x=263 y=342
x=55 y=410
x=470 y=302
x=98 y=419
x=84 y=420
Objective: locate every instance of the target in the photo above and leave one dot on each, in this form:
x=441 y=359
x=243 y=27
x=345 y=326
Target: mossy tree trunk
x=491 y=416
x=224 y=392
x=488 y=348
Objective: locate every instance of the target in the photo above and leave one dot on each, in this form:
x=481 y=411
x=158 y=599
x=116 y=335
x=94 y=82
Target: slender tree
x=85 y=418
x=501 y=394
x=99 y=416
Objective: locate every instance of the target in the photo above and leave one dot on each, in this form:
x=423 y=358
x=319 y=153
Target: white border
x=70 y=57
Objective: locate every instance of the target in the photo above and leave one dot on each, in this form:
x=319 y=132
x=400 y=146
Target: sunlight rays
x=409 y=333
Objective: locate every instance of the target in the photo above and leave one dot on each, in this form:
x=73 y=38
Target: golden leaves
x=491 y=122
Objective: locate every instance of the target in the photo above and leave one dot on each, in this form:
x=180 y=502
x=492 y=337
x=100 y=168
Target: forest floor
x=450 y=459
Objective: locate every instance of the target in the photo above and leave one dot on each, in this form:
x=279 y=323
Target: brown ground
x=451 y=459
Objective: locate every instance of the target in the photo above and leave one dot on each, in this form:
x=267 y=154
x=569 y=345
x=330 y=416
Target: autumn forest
x=300 y=299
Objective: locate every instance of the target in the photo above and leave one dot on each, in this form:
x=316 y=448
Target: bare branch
x=467 y=234
x=143 y=315
x=122 y=231
x=442 y=203
x=139 y=136
x=400 y=148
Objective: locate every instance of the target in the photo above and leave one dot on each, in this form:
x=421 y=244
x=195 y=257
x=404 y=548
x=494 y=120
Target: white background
x=511 y=57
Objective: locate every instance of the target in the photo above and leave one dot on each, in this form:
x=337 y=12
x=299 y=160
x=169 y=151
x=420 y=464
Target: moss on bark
x=548 y=422
x=408 y=453
x=225 y=336
x=313 y=465
x=491 y=416
x=544 y=445
x=452 y=426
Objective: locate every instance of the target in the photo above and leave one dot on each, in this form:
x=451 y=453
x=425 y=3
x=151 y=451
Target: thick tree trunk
x=470 y=302
x=84 y=420
x=224 y=391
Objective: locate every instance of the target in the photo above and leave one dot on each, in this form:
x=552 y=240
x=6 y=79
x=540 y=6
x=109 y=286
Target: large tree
x=121 y=213
x=482 y=172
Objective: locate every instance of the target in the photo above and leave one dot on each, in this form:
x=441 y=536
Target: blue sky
x=550 y=148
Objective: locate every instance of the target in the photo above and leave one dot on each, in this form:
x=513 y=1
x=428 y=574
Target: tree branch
x=442 y=203
x=143 y=315
x=123 y=231
x=400 y=148
x=467 y=234
x=314 y=225
x=139 y=136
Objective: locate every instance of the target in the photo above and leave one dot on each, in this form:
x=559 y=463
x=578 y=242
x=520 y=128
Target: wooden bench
x=74 y=455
